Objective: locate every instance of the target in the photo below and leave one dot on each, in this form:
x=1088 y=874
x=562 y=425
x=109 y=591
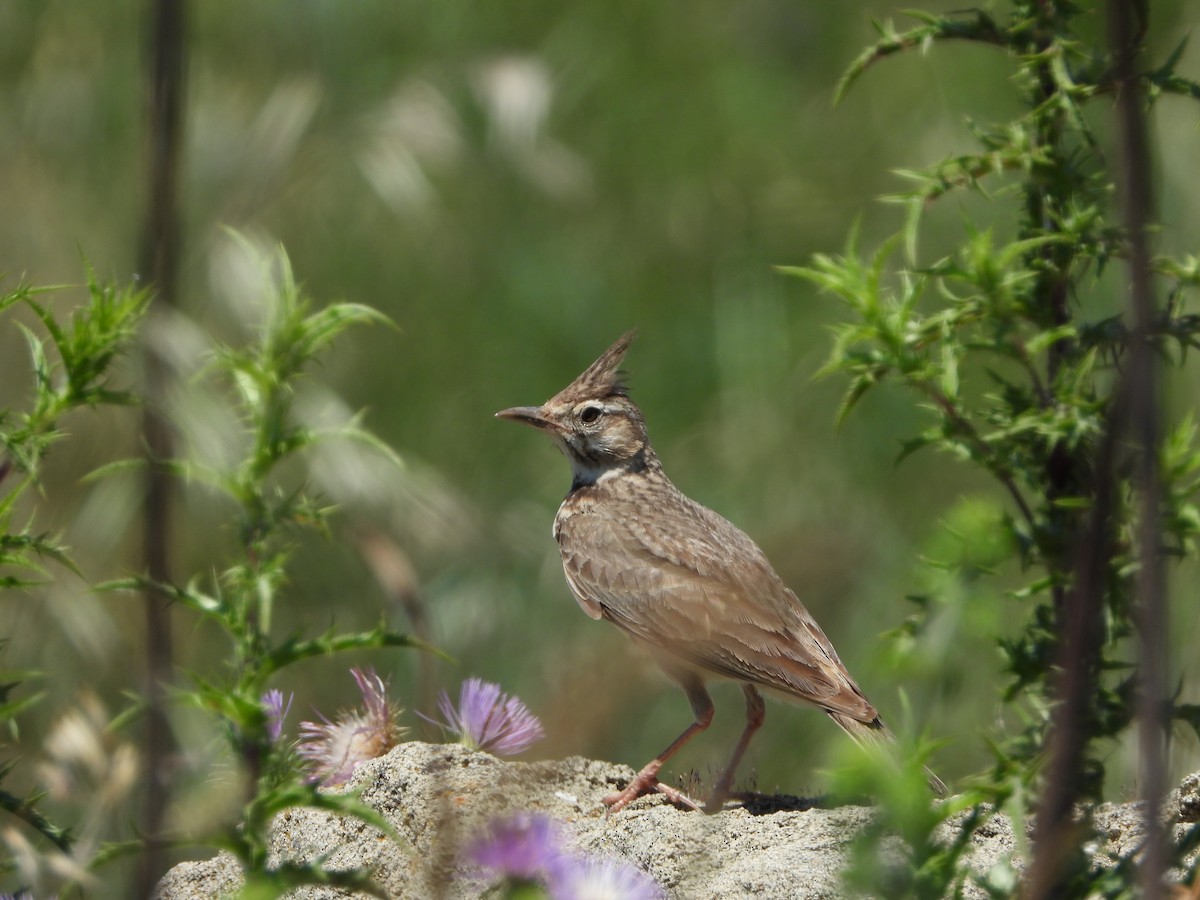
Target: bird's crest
x=603 y=378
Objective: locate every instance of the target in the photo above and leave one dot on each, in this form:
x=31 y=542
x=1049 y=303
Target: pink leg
x=646 y=780
x=756 y=713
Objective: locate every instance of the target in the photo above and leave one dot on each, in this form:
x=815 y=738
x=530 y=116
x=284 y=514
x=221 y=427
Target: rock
x=438 y=796
x=1186 y=798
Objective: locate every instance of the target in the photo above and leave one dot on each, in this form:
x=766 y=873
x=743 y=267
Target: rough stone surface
x=438 y=796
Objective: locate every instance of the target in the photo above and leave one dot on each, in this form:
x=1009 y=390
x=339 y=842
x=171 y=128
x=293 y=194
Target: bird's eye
x=590 y=414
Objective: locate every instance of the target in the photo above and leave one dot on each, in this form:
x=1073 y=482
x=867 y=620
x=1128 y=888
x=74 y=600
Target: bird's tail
x=875 y=734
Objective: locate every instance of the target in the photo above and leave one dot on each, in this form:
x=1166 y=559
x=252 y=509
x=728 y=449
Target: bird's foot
x=647 y=782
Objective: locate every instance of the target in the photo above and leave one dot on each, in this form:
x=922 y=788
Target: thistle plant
x=488 y=719
x=263 y=378
x=335 y=747
x=72 y=368
x=525 y=847
x=72 y=364
x=1018 y=374
x=277 y=710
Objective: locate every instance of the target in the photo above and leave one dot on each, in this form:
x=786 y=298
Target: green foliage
x=911 y=848
x=85 y=347
x=72 y=367
x=1016 y=371
x=261 y=380
x=25 y=807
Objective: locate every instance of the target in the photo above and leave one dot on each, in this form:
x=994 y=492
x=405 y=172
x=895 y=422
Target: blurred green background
x=515 y=184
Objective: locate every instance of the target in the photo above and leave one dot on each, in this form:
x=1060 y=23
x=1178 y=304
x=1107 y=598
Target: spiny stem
x=994 y=464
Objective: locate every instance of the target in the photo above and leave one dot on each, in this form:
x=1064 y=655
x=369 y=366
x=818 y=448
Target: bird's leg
x=756 y=713
x=647 y=779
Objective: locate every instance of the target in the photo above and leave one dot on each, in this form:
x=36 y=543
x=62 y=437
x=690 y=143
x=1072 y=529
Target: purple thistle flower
x=488 y=719
x=524 y=846
x=334 y=748
x=528 y=848
x=599 y=878
x=277 y=711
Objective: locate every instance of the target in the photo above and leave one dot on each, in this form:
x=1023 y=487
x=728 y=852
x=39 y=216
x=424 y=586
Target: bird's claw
x=647 y=783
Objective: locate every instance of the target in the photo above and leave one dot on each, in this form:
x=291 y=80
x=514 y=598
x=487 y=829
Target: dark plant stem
x=995 y=465
x=1079 y=604
x=1058 y=836
x=25 y=810
x=158 y=260
x=251 y=647
x=1126 y=25
x=1045 y=204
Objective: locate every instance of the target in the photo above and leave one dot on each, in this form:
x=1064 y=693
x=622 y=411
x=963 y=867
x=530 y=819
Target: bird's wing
x=721 y=608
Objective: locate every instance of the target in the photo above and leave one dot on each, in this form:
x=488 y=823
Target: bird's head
x=593 y=421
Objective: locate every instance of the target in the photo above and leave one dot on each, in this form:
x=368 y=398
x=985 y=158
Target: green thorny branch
x=72 y=362
x=1012 y=312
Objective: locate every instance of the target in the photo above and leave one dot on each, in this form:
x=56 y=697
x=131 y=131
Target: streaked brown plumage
x=680 y=578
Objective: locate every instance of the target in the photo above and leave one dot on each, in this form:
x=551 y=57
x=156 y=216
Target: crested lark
x=688 y=584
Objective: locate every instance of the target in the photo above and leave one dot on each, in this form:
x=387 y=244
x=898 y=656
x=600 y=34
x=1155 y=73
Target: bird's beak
x=530 y=415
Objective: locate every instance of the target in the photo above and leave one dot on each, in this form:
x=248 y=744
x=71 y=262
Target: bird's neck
x=586 y=473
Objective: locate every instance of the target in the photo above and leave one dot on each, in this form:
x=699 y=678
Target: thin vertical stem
x=1046 y=198
x=1126 y=24
x=1079 y=650
x=158 y=260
